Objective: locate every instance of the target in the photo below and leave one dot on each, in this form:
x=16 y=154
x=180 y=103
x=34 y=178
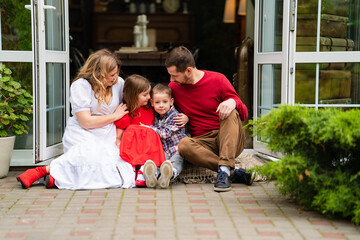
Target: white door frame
x=39 y=56
x=45 y=57
x=260 y=58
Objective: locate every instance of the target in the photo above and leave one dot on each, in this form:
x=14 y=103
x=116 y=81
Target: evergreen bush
x=321 y=165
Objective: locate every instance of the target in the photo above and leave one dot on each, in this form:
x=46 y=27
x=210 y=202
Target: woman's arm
x=87 y=121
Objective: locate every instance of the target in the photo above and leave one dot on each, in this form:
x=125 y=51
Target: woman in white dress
x=91 y=158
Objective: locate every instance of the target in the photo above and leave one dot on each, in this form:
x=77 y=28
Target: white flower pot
x=6 y=149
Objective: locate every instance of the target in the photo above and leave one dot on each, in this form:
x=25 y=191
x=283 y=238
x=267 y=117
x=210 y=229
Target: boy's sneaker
x=149 y=173
x=241 y=176
x=166 y=172
x=223 y=183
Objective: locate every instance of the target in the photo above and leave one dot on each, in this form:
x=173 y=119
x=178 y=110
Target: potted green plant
x=15 y=110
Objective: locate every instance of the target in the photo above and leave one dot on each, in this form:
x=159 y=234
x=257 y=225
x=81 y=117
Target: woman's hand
x=181 y=120
x=120 y=111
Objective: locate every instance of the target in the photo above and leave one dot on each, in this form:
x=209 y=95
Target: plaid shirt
x=169 y=133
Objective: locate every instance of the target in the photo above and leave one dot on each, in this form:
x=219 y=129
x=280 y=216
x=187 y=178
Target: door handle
x=49 y=7
x=28 y=7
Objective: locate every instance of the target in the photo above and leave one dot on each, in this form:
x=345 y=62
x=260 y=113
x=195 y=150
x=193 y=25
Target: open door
x=34 y=44
x=271 y=52
x=54 y=75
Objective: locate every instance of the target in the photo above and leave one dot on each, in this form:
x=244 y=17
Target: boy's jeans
x=177 y=162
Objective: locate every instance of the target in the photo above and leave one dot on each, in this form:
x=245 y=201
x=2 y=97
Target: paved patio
x=185 y=211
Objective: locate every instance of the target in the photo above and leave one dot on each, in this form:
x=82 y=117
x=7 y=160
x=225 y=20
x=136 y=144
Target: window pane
x=22 y=73
x=271 y=21
x=338 y=83
x=54 y=19
x=269 y=87
x=339 y=25
x=55 y=102
x=15 y=25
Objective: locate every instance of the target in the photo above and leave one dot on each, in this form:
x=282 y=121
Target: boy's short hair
x=161 y=88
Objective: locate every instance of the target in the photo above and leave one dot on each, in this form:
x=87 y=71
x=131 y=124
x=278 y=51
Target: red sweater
x=200 y=101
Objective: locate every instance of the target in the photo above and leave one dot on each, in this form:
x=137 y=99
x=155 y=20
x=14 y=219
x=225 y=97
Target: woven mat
x=192 y=174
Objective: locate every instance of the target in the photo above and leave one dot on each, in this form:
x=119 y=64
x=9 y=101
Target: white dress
x=91 y=158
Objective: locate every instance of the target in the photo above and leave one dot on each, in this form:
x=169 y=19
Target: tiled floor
x=192 y=211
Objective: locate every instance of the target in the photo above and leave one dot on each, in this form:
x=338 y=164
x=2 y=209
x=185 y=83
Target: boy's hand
x=181 y=120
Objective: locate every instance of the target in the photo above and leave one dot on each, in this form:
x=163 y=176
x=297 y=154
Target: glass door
x=271 y=53
x=34 y=45
x=306 y=52
x=53 y=75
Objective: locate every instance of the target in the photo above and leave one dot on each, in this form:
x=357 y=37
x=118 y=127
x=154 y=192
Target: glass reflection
x=339 y=27
x=338 y=83
x=15 y=25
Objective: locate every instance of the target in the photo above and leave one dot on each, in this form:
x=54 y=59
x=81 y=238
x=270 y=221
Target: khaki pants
x=215 y=148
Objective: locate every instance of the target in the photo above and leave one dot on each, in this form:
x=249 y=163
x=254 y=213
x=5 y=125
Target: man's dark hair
x=181 y=58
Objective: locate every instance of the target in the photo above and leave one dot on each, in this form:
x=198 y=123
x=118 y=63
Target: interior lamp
x=229 y=11
x=242 y=8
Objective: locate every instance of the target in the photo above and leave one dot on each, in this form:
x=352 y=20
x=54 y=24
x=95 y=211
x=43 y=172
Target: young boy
x=169 y=133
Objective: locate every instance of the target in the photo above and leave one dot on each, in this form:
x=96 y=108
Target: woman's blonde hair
x=95 y=69
x=134 y=85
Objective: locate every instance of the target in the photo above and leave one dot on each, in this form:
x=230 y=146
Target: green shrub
x=321 y=164
x=15 y=105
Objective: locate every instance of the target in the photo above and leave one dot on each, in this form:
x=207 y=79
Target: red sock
x=31 y=175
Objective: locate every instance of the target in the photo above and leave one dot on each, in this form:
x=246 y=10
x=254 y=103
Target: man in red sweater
x=215 y=112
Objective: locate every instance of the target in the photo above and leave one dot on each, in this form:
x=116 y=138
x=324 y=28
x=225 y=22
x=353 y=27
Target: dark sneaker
x=223 y=183
x=242 y=176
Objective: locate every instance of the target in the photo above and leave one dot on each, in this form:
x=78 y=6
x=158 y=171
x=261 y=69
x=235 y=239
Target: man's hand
x=225 y=108
x=181 y=120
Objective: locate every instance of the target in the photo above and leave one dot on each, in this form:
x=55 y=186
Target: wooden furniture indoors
x=113 y=30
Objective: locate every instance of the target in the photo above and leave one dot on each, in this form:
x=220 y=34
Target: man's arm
x=229 y=94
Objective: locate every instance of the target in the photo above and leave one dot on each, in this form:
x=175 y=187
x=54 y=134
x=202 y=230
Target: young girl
x=139 y=143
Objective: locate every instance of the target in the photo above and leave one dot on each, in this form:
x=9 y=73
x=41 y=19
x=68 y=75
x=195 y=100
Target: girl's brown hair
x=95 y=69
x=134 y=85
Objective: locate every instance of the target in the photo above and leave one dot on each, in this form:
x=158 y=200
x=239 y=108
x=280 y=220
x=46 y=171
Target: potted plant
x=15 y=110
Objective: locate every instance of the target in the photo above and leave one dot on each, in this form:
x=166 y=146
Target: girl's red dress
x=139 y=143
